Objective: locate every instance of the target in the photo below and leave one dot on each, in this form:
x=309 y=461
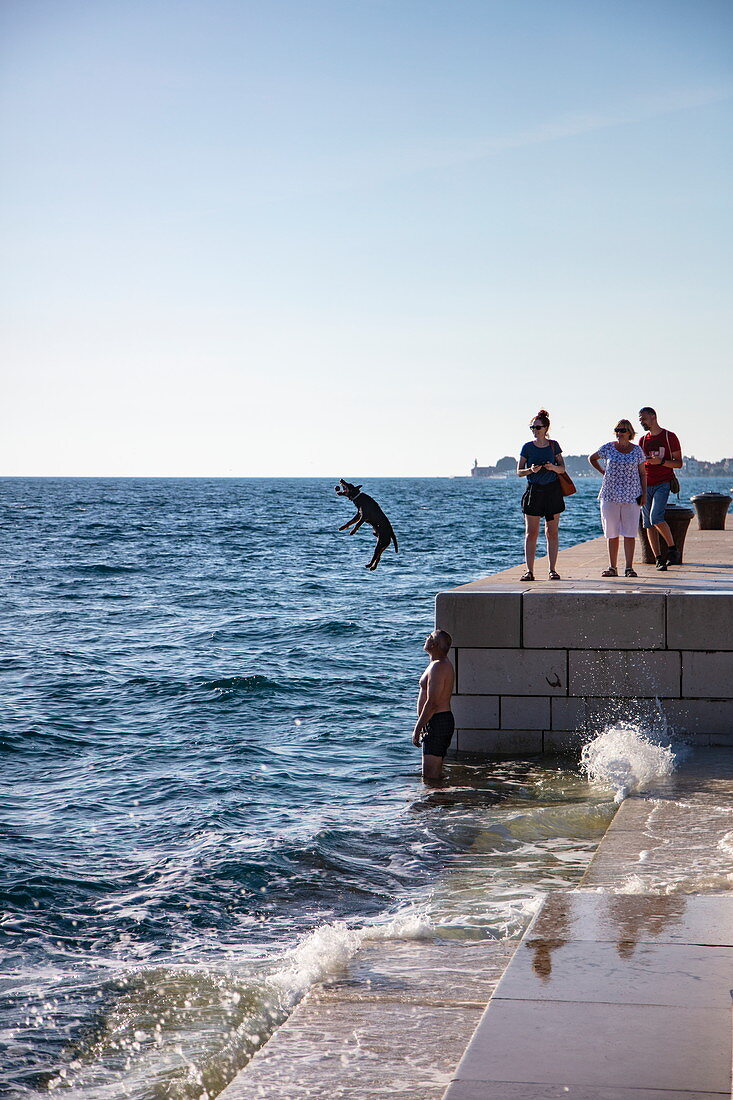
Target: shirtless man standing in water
x=435 y=724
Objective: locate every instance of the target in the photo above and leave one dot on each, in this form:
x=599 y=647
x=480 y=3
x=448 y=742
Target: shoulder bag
x=674 y=485
x=566 y=482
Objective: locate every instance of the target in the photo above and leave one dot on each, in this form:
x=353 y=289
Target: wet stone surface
x=395 y=1025
x=622 y=987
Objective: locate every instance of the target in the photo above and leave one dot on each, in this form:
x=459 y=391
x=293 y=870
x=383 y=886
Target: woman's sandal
x=610 y=572
x=554 y=576
x=630 y=572
x=528 y=576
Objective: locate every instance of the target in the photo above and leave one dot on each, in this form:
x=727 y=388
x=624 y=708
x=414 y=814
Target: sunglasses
x=536 y=427
x=620 y=431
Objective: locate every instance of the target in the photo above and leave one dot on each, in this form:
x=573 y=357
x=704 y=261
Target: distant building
x=700 y=467
x=578 y=466
x=484 y=471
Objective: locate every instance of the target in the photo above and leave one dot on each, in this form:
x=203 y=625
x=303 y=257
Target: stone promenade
x=621 y=989
x=618 y=995
x=541 y=665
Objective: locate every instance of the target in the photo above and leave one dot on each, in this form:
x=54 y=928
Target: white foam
x=634 y=884
x=327 y=950
x=627 y=759
x=322 y=953
x=704 y=883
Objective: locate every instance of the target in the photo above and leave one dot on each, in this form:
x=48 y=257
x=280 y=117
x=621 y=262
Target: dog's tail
x=394 y=540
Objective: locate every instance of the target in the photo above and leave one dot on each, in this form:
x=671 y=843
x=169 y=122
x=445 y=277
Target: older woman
x=540 y=462
x=622 y=494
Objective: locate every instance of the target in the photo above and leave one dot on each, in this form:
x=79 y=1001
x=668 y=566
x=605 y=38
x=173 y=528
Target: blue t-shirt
x=534 y=455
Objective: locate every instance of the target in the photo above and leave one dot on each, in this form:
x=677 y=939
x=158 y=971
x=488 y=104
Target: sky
x=353 y=238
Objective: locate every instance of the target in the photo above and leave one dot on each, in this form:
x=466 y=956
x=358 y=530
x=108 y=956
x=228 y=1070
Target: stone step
x=621 y=989
x=394 y=1025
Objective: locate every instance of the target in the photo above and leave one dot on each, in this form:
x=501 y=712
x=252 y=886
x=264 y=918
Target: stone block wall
x=540 y=671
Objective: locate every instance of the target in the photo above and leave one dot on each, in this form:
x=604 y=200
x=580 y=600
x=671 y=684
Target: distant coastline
x=578 y=466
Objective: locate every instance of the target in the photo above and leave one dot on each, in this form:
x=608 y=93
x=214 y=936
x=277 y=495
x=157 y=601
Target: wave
x=222 y=686
x=183 y=1032
x=627 y=759
x=101 y=569
x=247 y=685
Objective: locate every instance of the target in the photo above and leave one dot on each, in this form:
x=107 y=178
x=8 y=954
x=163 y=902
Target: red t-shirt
x=663 y=445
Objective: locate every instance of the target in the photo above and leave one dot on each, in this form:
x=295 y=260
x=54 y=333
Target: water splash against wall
x=628 y=759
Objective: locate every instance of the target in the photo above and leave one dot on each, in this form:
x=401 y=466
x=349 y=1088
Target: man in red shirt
x=663 y=456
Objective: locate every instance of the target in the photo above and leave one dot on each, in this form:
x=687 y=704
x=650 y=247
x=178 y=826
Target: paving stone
x=568 y=714
x=357 y=1036
x=512 y=672
x=699 y=716
x=555 y=968
x=624 y=674
x=650 y=971
x=347 y=1050
x=707 y=675
x=563 y=740
x=510 y=1090
x=618 y=619
x=476 y=711
x=445 y=973
x=525 y=712
x=480 y=619
x=619 y=1046
x=707 y=554
x=499 y=742
x=705 y=919
x=679 y=846
x=701 y=620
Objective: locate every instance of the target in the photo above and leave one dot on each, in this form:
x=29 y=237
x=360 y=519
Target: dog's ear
x=356 y=488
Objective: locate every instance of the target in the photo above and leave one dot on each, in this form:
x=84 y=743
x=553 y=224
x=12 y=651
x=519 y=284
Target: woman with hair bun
x=540 y=462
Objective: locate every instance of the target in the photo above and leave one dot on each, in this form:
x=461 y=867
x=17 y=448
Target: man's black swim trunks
x=439 y=733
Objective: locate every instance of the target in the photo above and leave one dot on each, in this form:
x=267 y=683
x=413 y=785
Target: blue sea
x=210 y=795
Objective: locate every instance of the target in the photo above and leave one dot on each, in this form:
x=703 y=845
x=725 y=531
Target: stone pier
x=621 y=989
x=540 y=665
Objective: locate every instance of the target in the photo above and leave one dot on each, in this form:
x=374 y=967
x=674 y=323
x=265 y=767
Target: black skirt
x=543 y=500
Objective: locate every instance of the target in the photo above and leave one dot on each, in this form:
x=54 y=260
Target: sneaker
x=661 y=563
x=673 y=555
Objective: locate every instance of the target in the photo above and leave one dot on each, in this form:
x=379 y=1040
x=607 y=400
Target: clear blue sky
x=364 y=237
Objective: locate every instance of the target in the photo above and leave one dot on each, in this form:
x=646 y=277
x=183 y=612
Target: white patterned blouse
x=621 y=482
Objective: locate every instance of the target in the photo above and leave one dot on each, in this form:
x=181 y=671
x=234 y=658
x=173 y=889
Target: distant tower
x=475 y=463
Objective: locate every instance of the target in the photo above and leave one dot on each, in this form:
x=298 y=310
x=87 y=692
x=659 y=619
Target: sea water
x=211 y=799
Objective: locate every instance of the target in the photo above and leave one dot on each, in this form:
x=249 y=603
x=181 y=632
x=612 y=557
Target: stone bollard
x=711 y=508
x=678 y=517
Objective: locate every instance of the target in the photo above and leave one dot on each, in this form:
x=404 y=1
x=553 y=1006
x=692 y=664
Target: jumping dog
x=368 y=511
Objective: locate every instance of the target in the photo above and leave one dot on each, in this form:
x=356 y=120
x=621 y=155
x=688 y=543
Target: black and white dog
x=368 y=511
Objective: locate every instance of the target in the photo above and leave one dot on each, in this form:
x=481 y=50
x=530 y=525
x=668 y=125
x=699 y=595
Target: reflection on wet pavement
x=641 y=954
